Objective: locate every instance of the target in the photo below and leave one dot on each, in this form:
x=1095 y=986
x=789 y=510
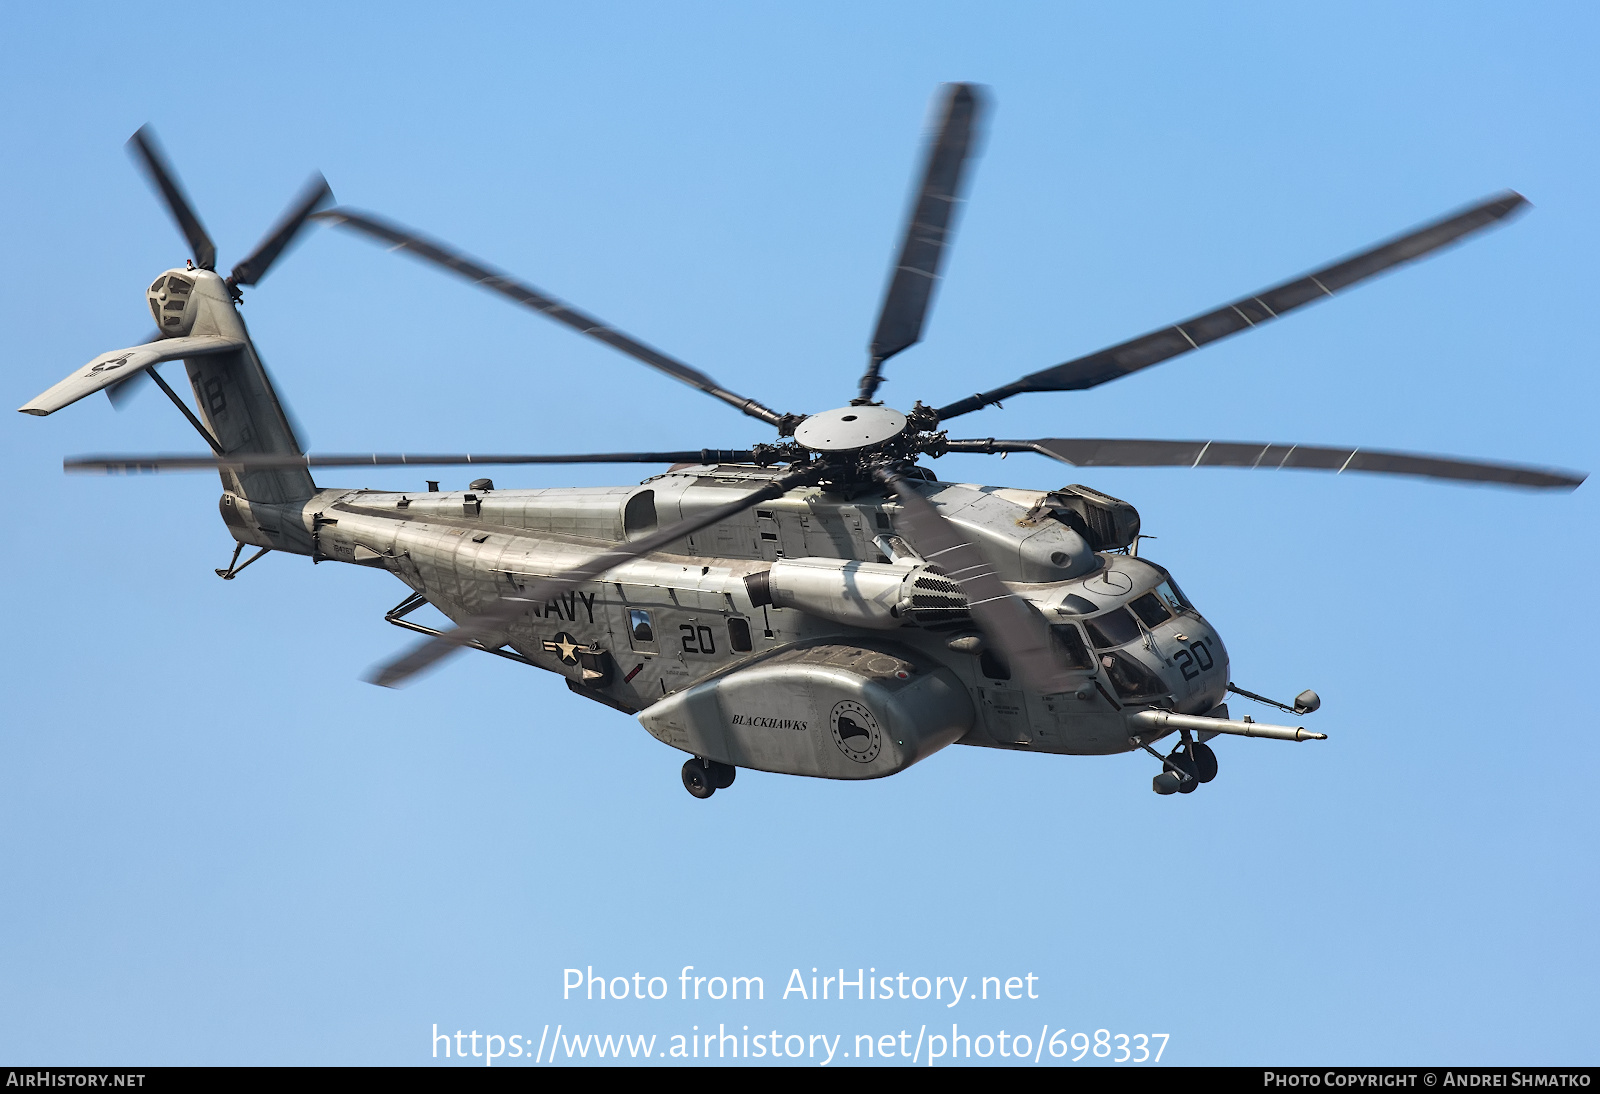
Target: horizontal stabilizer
x=120 y=364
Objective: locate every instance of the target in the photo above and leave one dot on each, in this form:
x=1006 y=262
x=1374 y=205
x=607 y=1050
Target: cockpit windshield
x=1151 y=609
x=1112 y=629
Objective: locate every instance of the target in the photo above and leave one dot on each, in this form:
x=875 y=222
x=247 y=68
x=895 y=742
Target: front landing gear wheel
x=697 y=780
x=1206 y=761
x=1184 y=762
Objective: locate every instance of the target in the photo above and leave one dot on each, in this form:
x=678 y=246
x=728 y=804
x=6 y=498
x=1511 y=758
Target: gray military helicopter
x=819 y=604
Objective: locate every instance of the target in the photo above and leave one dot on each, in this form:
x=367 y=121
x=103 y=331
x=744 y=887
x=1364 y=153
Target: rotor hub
x=171 y=299
x=851 y=429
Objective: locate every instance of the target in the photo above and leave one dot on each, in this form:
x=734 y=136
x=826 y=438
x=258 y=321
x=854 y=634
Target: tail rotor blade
x=910 y=291
x=485 y=627
x=1013 y=628
x=122 y=392
x=254 y=267
x=147 y=151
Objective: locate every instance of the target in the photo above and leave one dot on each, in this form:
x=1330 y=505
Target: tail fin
x=232 y=391
x=238 y=405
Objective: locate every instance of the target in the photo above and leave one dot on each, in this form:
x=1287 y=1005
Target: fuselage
x=802 y=635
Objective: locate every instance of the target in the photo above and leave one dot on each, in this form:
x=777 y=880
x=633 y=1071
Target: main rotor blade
x=494 y=280
x=1014 y=629
x=147 y=151
x=489 y=624
x=255 y=266
x=133 y=465
x=1081 y=452
x=1168 y=342
x=905 y=302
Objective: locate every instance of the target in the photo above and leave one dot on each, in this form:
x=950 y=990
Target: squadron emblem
x=855 y=731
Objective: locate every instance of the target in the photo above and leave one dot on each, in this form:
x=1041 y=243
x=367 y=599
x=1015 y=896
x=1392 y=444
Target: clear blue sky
x=219 y=845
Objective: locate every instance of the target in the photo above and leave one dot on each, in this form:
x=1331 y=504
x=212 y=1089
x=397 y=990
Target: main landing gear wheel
x=721 y=774
x=697 y=780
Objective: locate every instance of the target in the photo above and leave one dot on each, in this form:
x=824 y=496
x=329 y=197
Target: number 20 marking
x=1201 y=655
x=697 y=639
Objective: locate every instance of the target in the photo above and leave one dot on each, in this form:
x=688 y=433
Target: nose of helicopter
x=1188 y=655
x=1145 y=637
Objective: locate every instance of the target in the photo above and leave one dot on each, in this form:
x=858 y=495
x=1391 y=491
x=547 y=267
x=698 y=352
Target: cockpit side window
x=1131 y=679
x=1071 y=645
x=1174 y=598
x=1112 y=629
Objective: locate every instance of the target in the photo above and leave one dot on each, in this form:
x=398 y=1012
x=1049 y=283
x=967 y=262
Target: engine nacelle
x=860 y=594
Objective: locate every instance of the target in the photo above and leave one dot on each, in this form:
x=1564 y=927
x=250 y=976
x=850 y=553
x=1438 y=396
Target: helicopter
x=818 y=604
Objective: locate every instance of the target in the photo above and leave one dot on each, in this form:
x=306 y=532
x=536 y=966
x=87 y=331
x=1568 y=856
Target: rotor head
x=851 y=429
x=172 y=302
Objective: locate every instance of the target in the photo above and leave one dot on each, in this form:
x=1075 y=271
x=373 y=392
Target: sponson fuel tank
x=829 y=710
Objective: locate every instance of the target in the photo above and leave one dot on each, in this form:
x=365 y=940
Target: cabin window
x=1152 y=609
x=739 y=634
x=641 y=632
x=639 y=515
x=992 y=667
x=1112 y=629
